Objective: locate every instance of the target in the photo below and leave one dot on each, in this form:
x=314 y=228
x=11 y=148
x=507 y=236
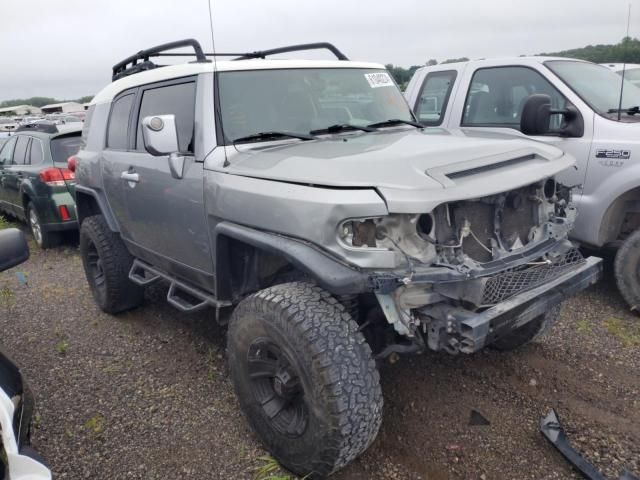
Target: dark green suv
x=35 y=184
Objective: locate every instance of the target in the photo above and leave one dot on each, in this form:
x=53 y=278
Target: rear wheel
x=528 y=332
x=627 y=270
x=107 y=263
x=304 y=377
x=43 y=238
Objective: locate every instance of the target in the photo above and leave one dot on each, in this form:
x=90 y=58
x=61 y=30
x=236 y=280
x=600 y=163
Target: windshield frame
x=603 y=114
x=222 y=140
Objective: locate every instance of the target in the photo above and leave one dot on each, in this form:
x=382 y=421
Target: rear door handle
x=130 y=177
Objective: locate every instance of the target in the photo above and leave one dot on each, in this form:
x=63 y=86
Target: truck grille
x=511 y=282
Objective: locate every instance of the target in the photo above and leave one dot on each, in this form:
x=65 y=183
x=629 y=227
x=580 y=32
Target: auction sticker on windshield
x=381 y=79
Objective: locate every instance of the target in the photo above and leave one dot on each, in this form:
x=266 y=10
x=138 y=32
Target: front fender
x=327 y=271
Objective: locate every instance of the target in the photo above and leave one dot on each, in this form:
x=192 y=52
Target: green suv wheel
x=43 y=238
x=107 y=263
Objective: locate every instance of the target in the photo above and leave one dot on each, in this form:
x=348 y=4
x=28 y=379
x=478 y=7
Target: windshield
x=303 y=100
x=596 y=85
x=63 y=147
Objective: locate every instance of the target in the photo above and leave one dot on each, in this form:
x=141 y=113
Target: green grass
x=626 y=332
x=271 y=470
x=583 y=326
x=4 y=223
x=62 y=346
x=7 y=297
x=95 y=423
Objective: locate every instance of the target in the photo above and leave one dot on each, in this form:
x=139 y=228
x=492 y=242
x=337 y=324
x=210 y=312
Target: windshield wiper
x=628 y=111
x=395 y=121
x=256 y=137
x=341 y=127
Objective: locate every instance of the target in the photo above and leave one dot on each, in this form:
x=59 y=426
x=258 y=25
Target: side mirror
x=13 y=248
x=160 y=135
x=536 y=118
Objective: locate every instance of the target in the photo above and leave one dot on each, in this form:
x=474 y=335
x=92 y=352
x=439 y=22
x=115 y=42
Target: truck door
x=165 y=218
x=495 y=97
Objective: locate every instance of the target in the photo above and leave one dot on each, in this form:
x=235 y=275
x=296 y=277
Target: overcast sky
x=65 y=48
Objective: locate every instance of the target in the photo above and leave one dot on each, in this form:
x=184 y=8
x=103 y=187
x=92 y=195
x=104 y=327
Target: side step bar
x=180 y=295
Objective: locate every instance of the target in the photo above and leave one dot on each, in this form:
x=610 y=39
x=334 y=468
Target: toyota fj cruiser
x=304 y=195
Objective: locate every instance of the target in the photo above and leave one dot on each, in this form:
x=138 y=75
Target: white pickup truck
x=580 y=102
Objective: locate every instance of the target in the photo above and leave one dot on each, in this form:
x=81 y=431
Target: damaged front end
x=474 y=270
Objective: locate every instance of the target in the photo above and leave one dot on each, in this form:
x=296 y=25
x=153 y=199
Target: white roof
x=187 y=69
x=617 y=67
x=526 y=60
x=57 y=105
x=18 y=107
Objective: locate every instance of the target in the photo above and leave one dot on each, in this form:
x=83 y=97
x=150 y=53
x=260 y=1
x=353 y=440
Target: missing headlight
x=364 y=233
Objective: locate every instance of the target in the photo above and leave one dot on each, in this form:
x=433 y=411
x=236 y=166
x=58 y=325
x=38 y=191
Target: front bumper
x=478 y=330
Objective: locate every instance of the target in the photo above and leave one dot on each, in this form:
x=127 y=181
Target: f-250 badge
x=612 y=157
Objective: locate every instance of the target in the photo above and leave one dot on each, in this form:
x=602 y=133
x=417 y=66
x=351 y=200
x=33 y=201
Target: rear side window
x=434 y=96
x=179 y=100
x=20 y=151
x=7 y=151
x=36 y=155
x=119 y=122
x=63 y=147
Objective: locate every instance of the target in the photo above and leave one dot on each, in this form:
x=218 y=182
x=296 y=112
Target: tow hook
x=552 y=429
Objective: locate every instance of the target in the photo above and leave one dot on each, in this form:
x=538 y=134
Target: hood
x=406 y=166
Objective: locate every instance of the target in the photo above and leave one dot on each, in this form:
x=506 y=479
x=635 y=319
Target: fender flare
x=102 y=205
x=330 y=274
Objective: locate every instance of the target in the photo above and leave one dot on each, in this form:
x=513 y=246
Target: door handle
x=130 y=177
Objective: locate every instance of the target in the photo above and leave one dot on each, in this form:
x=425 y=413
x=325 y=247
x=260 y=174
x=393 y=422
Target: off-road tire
x=339 y=382
x=627 y=270
x=42 y=238
x=528 y=332
x=113 y=291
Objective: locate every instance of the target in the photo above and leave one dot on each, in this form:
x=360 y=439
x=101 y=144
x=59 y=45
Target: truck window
x=179 y=100
x=119 y=122
x=497 y=96
x=434 y=96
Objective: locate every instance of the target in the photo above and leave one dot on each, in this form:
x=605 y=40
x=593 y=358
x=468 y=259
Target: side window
x=36 y=155
x=179 y=100
x=434 y=96
x=20 y=151
x=119 y=122
x=497 y=96
x=7 y=151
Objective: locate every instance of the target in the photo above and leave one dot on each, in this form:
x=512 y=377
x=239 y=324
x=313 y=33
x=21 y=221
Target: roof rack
x=44 y=127
x=123 y=69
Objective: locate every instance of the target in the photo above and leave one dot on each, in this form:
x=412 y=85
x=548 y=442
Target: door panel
x=14 y=175
x=6 y=154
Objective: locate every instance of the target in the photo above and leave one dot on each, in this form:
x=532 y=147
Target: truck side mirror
x=536 y=117
x=13 y=248
x=160 y=136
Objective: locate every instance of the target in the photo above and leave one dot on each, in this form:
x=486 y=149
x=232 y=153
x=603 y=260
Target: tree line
x=627 y=50
x=41 y=101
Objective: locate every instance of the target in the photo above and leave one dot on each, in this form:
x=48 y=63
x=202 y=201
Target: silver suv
x=304 y=196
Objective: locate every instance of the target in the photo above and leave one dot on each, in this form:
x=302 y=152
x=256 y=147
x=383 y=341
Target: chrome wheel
x=36 y=229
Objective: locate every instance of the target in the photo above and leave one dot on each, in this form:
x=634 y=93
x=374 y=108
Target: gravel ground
x=146 y=395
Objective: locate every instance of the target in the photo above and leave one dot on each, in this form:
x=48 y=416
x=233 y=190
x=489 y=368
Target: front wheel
x=304 y=377
x=528 y=332
x=627 y=270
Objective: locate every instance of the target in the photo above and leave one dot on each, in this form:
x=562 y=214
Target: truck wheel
x=43 y=238
x=627 y=270
x=304 y=377
x=528 y=332
x=106 y=263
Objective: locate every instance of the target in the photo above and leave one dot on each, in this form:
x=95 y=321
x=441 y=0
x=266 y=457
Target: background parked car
x=631 y=71
x=35 y=184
